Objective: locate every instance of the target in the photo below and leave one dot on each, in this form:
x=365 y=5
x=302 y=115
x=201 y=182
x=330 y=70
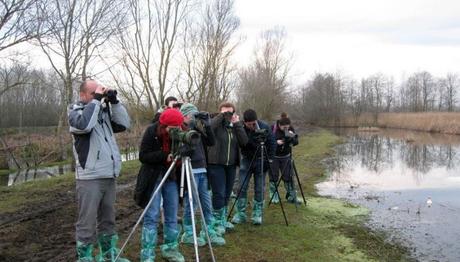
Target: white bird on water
x=429 y=202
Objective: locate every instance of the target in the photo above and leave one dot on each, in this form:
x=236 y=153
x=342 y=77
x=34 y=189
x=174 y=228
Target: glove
x=112 y=96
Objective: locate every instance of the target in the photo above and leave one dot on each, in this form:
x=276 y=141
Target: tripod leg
x=155 y=193
x=188 y=172
x=194 y=188
x=276 y=188
x=294 y=169
x=245 y=182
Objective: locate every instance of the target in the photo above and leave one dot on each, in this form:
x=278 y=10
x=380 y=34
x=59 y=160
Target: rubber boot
x=148 y=243
x=276 y=198
x=215 y=238
x=228 y=226
x=170 y=248
x=84 y=252
x=108 y=250
x=219 y=224
x=291 y=194
x=257 y=212
x=240 y=215
x=187 y=236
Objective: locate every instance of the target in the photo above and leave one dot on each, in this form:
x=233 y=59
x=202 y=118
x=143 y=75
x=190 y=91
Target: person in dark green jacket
x=223 y=159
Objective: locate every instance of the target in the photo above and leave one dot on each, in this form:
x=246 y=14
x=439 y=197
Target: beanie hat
x=169 y=99
x=171 y=117
x=188 y=109
x=249 y=115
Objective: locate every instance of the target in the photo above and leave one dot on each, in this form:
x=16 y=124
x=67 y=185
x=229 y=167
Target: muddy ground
x=45 y=231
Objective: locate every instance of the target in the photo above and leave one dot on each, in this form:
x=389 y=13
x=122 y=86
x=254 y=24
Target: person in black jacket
x=285 y=137
x=198 y=161
x=223 y=159
x=254 y=128
x=155 y=156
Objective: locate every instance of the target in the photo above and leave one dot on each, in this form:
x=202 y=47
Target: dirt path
x=46 y=232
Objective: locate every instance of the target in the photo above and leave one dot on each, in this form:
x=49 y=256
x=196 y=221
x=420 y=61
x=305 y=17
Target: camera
x=190 y=137
x=228 y=114
x=202 y=115
x=288 y=136
x=177 y=105
x=260 y=135
x=110 y=93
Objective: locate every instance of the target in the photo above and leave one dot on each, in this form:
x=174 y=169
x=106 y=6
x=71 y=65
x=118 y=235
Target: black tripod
x=293 y=171
x=263 y=155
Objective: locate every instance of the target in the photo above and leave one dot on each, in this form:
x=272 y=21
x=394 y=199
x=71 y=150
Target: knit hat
x=171 y=117
x=188 y=109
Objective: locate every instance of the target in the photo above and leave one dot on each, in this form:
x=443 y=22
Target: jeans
x=283 y=165
x=259 y=178
x=170 y=195
x=205 y=199
x=221 y=178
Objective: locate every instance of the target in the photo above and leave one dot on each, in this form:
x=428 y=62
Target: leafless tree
x=18 y=23
x=149 y=46
x=210 y=75
x=263 y=84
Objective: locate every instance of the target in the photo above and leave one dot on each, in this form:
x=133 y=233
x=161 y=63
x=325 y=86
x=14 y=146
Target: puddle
x=396 y=174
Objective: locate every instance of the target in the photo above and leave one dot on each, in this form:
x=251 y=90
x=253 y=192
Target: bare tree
x=210 y=76
x=17 y=22
x=148 y=47
x=263 y=84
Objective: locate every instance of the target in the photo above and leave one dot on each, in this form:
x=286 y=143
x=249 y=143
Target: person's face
x=188 y=119
x=226 y=109
x=284 y=127
x=171 y=103
x=88 y=94
x=251 y=125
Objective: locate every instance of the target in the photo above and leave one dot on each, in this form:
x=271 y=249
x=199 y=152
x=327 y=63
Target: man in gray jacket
x=98 y=162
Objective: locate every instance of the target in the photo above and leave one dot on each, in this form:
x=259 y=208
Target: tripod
x=263 y=154
x=192 y=191
x=293 y=171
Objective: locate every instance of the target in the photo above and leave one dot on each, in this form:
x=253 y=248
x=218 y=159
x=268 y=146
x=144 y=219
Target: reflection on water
x=394 y=173
x=25 y=175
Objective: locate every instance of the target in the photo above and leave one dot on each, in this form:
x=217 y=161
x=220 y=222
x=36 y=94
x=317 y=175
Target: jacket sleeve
x=295 y=140
x=82 y=119
x=149 y=153
x=120 y=119
x=216 y=122
x=209 y=139
x=241 y=135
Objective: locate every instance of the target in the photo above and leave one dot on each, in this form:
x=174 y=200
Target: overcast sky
x=359 y=37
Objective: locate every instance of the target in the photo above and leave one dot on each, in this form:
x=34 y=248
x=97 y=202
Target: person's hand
x=280 y=142
x=169 y=158
x=235 y=118
x=100 y=90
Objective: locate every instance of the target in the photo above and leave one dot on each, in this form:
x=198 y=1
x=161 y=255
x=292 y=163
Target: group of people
x=224 y=145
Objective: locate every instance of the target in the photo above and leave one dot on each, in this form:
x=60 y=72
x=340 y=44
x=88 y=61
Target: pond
x=409 y=180
x=24 y=175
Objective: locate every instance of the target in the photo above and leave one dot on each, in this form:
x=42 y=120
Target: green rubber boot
x=257 y=212
x=148 y=243
x=240 y=215
x=215 y=238
x=228 y=226
x=170 y=248
x=219 y=225
x=108 y=250
x=187 y=236
x=276 y=198
x=291 y=194
x=84 y=252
